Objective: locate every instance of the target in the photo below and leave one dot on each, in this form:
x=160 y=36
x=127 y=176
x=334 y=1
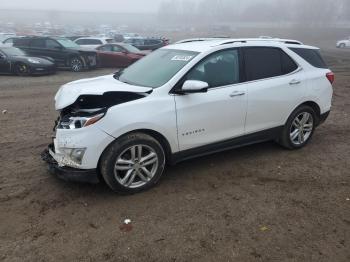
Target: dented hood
x=70 y=92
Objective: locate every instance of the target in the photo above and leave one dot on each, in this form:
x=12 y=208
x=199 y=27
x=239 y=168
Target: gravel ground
x=258 y=203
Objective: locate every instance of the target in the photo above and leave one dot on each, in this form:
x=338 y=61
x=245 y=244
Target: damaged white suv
x=188 y=100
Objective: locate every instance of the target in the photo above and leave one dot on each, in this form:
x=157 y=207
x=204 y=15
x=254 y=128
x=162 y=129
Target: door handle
x=294 y=82
x=237 y=93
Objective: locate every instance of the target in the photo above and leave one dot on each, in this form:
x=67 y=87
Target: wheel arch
x=75 y=55
x=314 y=106
x=156 y=135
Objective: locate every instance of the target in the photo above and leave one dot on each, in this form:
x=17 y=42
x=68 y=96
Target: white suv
x=344 y=43
x=93 y=42
x=188 y=100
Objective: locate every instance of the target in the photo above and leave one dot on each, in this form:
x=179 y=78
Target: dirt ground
x=258 y=203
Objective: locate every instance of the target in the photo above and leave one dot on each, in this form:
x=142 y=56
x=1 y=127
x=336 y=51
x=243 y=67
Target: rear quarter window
x=312 y=56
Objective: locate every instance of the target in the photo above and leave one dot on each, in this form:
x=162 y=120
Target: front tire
x=76 y=64
x=299 y=128
x=133 y=163
x=342 y=46
x=22 y=69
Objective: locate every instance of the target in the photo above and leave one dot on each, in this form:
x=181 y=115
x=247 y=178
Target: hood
x=70 y=92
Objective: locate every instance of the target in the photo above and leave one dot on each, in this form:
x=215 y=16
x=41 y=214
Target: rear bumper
x=68 y=173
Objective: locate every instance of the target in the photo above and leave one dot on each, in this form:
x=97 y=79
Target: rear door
x=219 y=114
x=37 y=47
x=274 y=84
x=55 y=50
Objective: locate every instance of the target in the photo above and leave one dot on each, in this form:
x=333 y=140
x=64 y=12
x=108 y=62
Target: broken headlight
x=81 y=118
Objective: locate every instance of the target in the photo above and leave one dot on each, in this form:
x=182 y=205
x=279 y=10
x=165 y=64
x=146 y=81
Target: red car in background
x=118 y=55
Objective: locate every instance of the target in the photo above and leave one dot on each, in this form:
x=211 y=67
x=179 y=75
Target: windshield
x=130 y=48
x=68 y=43
x=157 y=68
x=12 y=51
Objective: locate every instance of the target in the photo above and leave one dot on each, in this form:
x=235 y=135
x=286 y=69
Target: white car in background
x=93 y=42
x=344 y=43
x=187 y=100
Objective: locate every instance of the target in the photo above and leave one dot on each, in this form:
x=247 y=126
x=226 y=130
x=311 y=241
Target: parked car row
x=64 y=53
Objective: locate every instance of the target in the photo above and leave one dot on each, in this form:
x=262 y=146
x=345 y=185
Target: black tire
x=121 y=150
x=342 y=46
x=76 y=64
x=22 y=69
x=290 y=129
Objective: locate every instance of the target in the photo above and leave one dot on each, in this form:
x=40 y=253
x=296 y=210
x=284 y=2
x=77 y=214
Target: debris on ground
x=264 y=228
x=4 y=112
x=126 y=226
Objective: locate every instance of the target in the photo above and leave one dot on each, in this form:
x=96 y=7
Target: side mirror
x=194 y=86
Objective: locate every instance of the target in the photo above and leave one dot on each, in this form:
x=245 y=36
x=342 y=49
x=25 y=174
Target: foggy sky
x=115 y=6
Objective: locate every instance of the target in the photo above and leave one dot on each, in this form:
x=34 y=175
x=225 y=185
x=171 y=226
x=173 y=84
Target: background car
x=4 y=36
x=93 y=42
x=16 y=61
x=147 y=43
x=64 y=52
x=118 y=55
x=344 y=43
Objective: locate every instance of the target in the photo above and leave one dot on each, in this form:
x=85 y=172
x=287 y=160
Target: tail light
x=331 y=77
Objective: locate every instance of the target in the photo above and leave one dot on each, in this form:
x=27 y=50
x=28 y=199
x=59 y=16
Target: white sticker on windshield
x=185 y=58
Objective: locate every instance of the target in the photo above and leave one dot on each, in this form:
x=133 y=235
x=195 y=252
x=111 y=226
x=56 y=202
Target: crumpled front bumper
x=68 y=173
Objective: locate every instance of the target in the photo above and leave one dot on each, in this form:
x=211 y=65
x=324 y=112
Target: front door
x=219 y=114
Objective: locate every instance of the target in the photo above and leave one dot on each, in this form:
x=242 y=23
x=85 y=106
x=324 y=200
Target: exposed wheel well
x=315 y=107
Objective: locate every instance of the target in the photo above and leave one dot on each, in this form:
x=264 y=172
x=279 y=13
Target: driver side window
x=218 y=69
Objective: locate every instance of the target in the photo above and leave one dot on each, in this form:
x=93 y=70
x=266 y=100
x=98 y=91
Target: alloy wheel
x=302 y=128
x=136 y=166
x=22 y=70
x=76 y=65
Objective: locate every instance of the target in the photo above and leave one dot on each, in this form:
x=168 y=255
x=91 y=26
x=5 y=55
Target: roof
x=206 y=44
x=94 y=37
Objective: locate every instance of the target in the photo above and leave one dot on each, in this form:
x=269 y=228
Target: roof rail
x=190 y=40
x=285 y=41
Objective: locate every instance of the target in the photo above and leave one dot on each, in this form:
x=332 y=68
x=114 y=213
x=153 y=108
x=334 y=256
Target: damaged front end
x=89 y=109
x=78 y=142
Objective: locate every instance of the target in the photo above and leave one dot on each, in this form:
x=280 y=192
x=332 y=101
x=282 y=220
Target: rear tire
x=133 y=163
x=22 y=69
x=342 y=46
x=299 y=128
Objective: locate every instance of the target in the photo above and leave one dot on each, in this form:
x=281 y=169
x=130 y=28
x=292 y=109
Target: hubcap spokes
x=76 y=65
x=136 y=166
x=301 y=128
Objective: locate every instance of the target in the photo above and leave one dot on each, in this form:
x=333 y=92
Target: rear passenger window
x=312 y=56
x=267 y=62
